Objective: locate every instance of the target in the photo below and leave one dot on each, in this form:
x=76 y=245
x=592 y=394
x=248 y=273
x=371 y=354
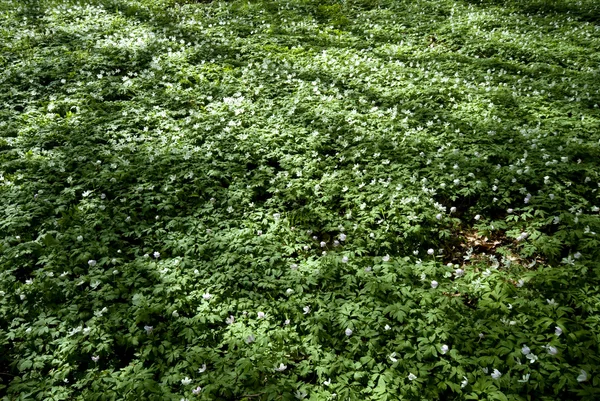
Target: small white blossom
x=444 y=349
x=387 y=327
x=306 y=309
x=348 y=332
x=156 y=254
x=197 y=390
x=345 y=259
x=520 y=283
x=496 y=374
x=261 y=315
x=148 y=329
x=230 y=319
x=95 y=358
x=287 y=322
x=531 y=357
x=552 y=350
x=430 y=251
x=327 y=382
x=583 y=376
x=250 y=339
x=281 y=367
x=477 y=217
x=393 y=357
x=525 y=350
x=386 y=258
x=289 y=291
x=434 y=284
x=558 y=331
x=525 y=378
x=92 y=262
x=411 y=377
x=323 y=243
x=186 y=381
x=206 y=296
x=342 y=237
x=459 y=273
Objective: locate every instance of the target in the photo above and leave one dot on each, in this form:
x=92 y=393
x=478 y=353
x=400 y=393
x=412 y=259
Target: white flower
x=348 y=332
x=434 y=284
x=387 y=327
x=250 y=339
x=281 y=367
x=444 y=349
x=532 y=358
x=175 y=313
x=477 y=217
x=206 y=296
x=464 y=383
x=452 y=209
x=459 y=273
x=386 y=258
x=411 y=377
x=558 y=331
x=79 y=238
x=276 y=216
x=95 y=358
x=525 y=350
x=430 y=251
x=327 y=382
x=156 y=254
x=294 y=266
x=525 y=378
x=148 y=329
x=552 y=350
x=29 y=281
x=582 y=376
x=197 y=390
x=92 y=262
x=230 y=319
x=345 y=259
x=323 y=243
x=261 y=315
x=577 y=255
x=342 y=237
x=306 y=309
x=186 y=381
x=289 y=291
x=300 y=394
x=496 y=374
x=520 y=283
x=393 y=357
x=202 y=369
x=287 y=322
x=551 y=302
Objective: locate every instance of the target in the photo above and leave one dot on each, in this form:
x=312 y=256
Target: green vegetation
x=278 y=200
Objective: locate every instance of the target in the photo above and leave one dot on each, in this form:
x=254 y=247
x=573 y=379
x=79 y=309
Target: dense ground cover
x=357 y=200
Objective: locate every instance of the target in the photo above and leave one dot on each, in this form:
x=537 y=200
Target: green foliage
x=357 y=200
